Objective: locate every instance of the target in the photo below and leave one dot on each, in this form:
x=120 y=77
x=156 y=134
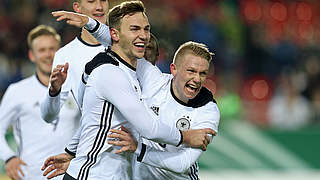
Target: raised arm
x=55 y=98
x=100 y=31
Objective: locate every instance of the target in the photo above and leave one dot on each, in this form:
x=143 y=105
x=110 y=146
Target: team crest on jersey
x=183 y=123
x=155 y=110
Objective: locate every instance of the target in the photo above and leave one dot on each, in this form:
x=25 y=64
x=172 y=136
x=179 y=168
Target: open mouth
x=140 y=46
x=192 y=88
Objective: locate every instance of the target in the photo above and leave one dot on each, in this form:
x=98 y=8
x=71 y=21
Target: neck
x=87 y=37
x=177 y=94
x=130 y=60
x=43 y=78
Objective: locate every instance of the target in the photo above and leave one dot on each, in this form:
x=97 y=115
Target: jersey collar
x=118 y=58
x=86 y=43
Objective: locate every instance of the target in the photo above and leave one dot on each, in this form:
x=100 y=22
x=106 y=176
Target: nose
x=197 y=78
x=144 y=35
x=99 y=6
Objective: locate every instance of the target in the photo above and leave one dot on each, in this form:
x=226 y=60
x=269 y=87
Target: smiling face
x=189 y=73
x=96 y=9
x=42 y=52
x=132 y=36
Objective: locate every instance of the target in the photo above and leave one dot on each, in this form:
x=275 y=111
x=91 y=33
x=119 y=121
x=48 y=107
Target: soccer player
x=109 y=102
x=185 y=104
x=181 y=96
x=20 y=107
x=72 y=58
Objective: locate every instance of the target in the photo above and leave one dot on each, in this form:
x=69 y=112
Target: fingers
x=13 y=174
x=123 y=149
x=124 y=129
x=46 y=163
x=20 y=170
x=66 y=67
x=118 y=143
x=118 y=134
x=210 y=131
x=48 y=170
x=55 y=174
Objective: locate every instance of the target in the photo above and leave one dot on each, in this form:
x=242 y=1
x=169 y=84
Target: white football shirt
x=36 y=139
x=163 y=161
x=112 y=99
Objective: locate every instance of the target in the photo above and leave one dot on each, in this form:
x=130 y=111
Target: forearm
x=73 y=143
x=51 y=105
x=5 y=151
x=99 y=31
x=178 y=162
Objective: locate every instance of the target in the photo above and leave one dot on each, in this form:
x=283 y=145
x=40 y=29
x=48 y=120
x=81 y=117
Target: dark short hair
x=119 y=11
x=40 y=31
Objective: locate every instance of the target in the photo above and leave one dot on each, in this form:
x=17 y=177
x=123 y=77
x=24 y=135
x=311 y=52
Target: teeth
x=140 y=44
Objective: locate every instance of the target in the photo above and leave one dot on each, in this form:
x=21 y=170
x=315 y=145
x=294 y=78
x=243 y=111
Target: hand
x=128 y=143
x=198 y=138
x=72 y=18
x=58 y=164
x=13 y=166
x=58 y=77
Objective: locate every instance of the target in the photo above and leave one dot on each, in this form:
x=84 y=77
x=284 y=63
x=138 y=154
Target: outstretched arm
x=178 y=162
x=100 y=31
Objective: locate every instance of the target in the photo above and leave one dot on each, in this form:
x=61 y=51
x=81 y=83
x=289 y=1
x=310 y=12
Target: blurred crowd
x=266 y=66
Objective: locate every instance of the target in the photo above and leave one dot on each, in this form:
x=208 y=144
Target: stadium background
x=265 y=75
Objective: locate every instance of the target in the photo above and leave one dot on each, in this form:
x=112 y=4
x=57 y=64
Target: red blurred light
x=304 y=12
x=279 y=11
x=252 y=11
x=211 y=85
x=260 y=89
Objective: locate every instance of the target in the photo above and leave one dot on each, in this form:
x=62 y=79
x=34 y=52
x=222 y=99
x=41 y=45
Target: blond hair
x=41 y=30
x=197 y=49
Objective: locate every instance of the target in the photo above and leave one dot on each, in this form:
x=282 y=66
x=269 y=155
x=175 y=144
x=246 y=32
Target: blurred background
x=265 y=75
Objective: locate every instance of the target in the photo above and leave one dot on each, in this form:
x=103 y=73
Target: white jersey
x=36 y=139
x=112 y=99
x=167 y=161
x=163 y=161
x=77 y=53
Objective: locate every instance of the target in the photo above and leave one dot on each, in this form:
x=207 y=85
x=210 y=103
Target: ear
x=173 y=69
x=76 y=7
x=114 y=34
x=31 y=56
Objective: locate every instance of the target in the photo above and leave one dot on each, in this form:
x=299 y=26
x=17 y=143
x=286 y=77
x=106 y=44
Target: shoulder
x=68 y=47
x=21 y=86
x=98 y=60
x=204 y=97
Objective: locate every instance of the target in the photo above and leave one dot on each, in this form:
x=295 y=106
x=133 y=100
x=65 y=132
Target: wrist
x=53 y=92
x=182 y=137
x=12 y=157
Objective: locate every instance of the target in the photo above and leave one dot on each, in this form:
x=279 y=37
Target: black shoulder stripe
x=204 y=97
x=99 y=59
